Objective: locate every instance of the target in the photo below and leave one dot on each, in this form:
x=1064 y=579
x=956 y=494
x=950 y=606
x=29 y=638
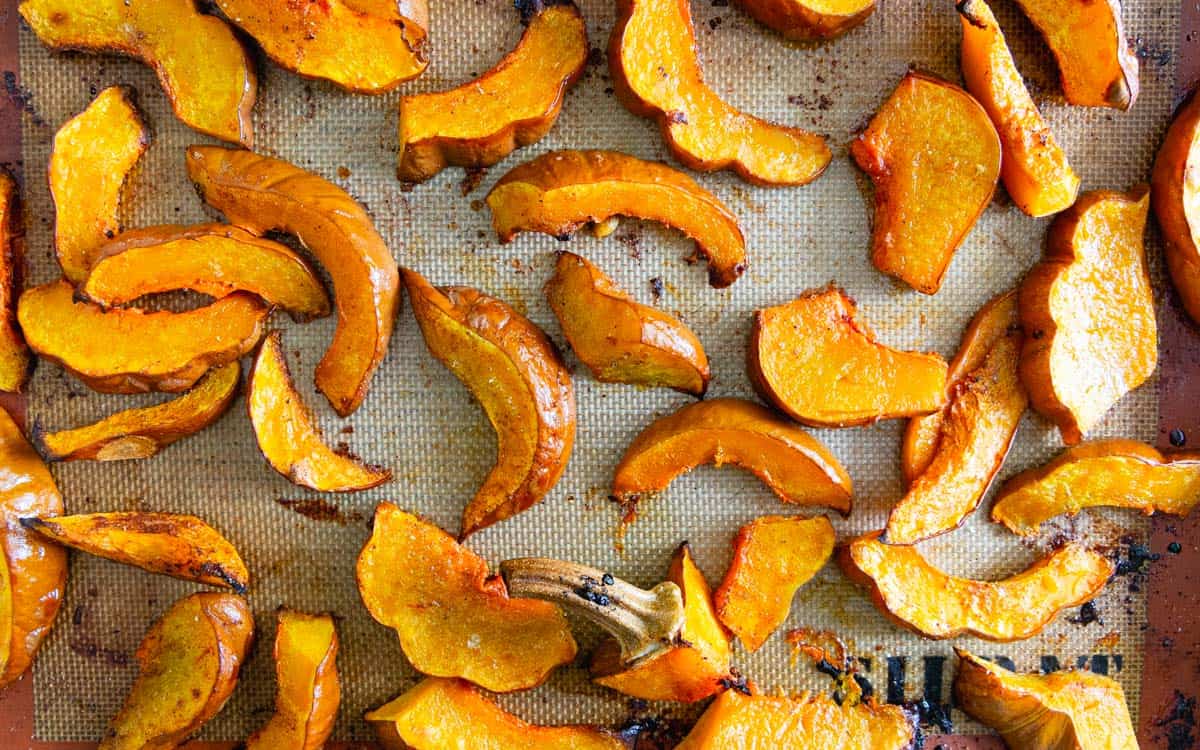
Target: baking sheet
x=421 y=422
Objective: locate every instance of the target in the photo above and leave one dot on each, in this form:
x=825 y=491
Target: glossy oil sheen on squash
x=1176 y=199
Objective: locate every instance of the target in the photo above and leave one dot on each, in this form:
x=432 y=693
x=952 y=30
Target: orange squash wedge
x=1176 y=200
x=809 y=19
x=15 y=361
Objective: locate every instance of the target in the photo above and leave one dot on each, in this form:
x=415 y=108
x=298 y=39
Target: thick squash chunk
x=1095 y=62
x=131 y=350
x=260 y=194
x=512 y=105
x=15 y=361
x=308 y=692
x=773 y=557
x=453 y=619
x=922 y=598
x=809 y=19
x=288 y=435
x=559 y=192
x=189 y=663
x=656 y=74
x=93 y=153
x=973 y=441
x=520 y=381
x=359 y=51
x=183 y=547
x=439 y=713
x=1034 y=168
x=34 y=572
x=1067 y=710
x=818 y=363
x=200 y=63
x=934 y=157
x=721 y=431
x=810 y=722
x=212 y=259
x=692 y=668
x=1088 y=312
x=619 y=339
x=142 y=432
x=1176 y=199
x=1118 y=473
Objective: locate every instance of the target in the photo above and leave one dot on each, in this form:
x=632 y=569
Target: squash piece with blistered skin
x=810 y=19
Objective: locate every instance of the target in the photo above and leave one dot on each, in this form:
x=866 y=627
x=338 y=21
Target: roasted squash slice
x=809 y=19
x=518 y=378
x=818 y=363
x=1034 y=168
x=773 y=556
x=183 y=547
x=360 y=51
x=656 y=74
x=288 y=435
x=735 y=721
x=453 y=619
x=558 y=192
x=512 y=105
x=15 y=361
x=93 y=153
x=1176 y=199
x=34 y=572
x=260 y=194
x=721 y=431
x=914 y=594
x=131 y=350
x=1066 y=710
x=1119 y=473
x=308 y=692
x=212 y=259
x=439 y=713
x=142 y=432
x=1088 y=312
x=189 y=662
x=619 y=339
x=203 y=69
x=1097 y=66
x=934 y=157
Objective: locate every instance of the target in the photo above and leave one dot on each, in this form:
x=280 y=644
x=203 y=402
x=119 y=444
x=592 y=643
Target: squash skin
x=809 y=20
x=15 y=360
x=1176 y=200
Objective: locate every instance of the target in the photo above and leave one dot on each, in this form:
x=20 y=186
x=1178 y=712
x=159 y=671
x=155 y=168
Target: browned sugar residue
x=1110 y=641
x=319 y=509
x=819 y=646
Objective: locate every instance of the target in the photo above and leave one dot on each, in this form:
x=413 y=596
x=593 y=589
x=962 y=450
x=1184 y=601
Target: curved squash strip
x=814 y=360
x=1034 y=168
x=773 y=556
x=308 y=693
x=809 y=19
x=809 y=722
x=620 y=340
x=721 y=431
x=914 y=594
x=260 y=194
x=131 y=350
x=1116 y=473
x=288 y=436
x=36 y=572
x=144 y=431
x=452 y=617
x=189 y=662
x=203 y=68
x=559 y=192
x=656 y=73
x=183 y=547
x=1176 y=199
x=976 y=434
x=1095 y=62
x=1088 y=312
x=439 y=713
x=212 y=259
x=361 y=52
x=934 y=157
x=995 y=320
x=15 y=361
x=93 y=153
x=1065 y=710
x=518 y=378
x=512 y=105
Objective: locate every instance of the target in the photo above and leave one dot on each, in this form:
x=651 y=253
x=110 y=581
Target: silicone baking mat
x=302 y=546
